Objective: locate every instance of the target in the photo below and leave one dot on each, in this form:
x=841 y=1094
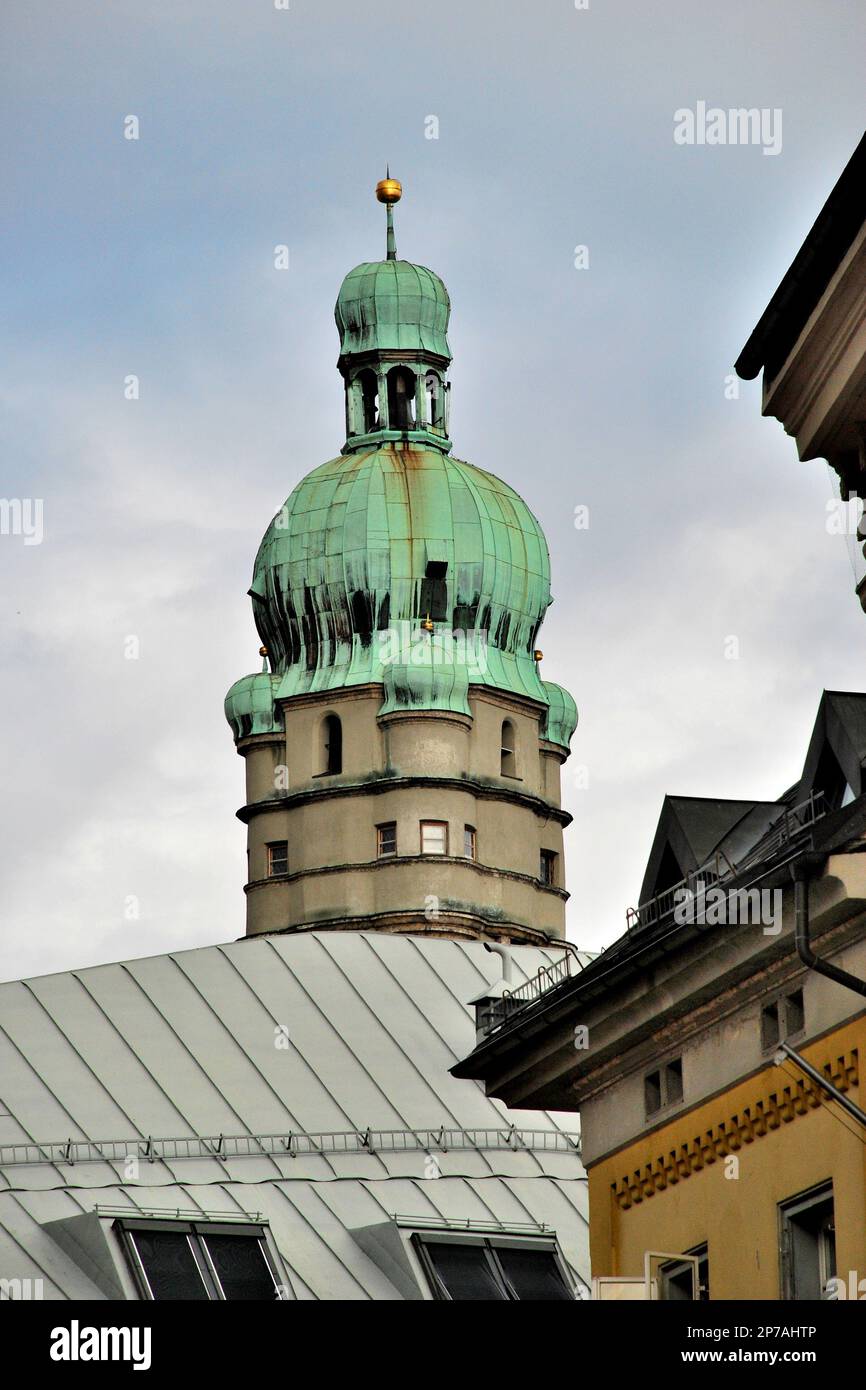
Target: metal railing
x=288 y=1145
x=469 y=1223
x=496 y=1012
x=718 y=870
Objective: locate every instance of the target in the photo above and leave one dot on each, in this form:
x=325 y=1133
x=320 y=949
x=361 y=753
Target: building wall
x=720 y=1053
x=705 y=1008
x=405 y=768
x=668 y=1191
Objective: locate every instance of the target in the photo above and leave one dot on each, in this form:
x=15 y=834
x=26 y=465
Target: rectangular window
x=386 y=839
x=652 y=1091
x=677 y=1279
x=673 y=1082
x=782 y=1018
x=278 y=858
x=769 y=1025
x=469 y=842
x=240 y=1266
x=664 y=1086
x=795 y=1014
x=434 y=837
x=168 y=1262
x=491 y=1271
x=807 y=1237
x=199 y=1261
x=547 y=867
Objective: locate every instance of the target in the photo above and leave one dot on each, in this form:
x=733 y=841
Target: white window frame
x=431 y=825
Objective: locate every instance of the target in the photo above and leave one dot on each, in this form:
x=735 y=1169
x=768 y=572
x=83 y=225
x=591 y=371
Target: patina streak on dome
x=349 y=558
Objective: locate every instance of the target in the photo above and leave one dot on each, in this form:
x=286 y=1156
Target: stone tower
x=402 y=752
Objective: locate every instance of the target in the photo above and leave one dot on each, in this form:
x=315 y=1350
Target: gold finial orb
x=389 y=190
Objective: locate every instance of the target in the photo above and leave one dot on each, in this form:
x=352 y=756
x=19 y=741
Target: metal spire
x=389 y=191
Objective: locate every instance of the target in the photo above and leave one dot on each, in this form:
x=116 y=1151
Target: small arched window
x=366 y=381
x=435 y=402
x=331 y=746
x=507 y=759
x=401 y=398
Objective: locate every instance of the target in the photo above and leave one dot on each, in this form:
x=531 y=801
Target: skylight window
x=199 y=1261
x=492 y=1270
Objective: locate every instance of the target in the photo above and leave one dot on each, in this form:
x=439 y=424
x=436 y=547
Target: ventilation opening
x=434 y=591
x=362 y=617
x=670 y=872
x=831 y=780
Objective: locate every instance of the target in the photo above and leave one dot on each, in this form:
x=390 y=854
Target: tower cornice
x=381 y=782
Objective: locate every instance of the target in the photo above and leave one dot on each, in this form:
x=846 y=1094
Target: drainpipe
x=813 y=1073
x=801 y=875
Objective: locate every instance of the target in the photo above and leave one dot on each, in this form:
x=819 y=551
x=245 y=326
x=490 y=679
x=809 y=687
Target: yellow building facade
x=719 y=1176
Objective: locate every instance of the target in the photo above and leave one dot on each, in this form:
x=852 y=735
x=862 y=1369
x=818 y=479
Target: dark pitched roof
x=695 y=827
x=689 y=824
x=840 y=724
x=810 y=272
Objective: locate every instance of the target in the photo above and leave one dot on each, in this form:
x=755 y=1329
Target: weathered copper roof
x=396 y=563
x=393 y=304
x=341 y=583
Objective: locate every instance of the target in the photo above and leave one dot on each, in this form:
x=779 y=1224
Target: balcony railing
x=719 y=870
x=495 y=1012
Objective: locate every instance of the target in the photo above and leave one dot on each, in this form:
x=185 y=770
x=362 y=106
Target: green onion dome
x=396 y=563
x=250 y=706
x=561 y=720
x=404 y=565
x=393 y=305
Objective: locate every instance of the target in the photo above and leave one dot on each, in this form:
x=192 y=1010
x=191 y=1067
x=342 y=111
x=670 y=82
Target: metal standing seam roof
x=184 y=1046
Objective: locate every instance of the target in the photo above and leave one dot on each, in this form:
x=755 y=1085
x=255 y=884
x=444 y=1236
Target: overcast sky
x=602 y=387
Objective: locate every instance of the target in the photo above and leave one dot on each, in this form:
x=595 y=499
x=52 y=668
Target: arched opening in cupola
x=435 y=401
x=366 y=386
x=401 y=398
